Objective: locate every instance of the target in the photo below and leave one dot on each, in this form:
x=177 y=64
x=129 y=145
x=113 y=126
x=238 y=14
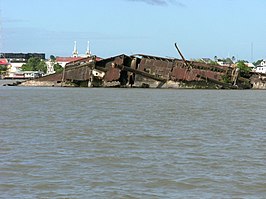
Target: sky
x=201 y=28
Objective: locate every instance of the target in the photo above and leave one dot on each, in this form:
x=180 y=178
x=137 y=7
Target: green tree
x=52 y=57
x=243 y=67
x=42 y=66
x=245 y=61
x=3 y=69
x=34 y=64
x=26 y=67
x=58 y=68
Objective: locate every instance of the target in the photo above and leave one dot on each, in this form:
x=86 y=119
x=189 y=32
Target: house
x=225 y=62
x=24 y=74
x=64 y=60
x=32 y=74
x=261 y=68
x=250 y=65
x=50 y=67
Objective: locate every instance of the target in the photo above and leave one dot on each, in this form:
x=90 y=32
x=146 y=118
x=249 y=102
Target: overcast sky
x=202 y=28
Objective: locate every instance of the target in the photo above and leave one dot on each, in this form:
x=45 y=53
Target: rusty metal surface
x=174 y=69
x=53 y=77
x=79 y=74
x=112 y=74
x=143 y=69
x=79 y=70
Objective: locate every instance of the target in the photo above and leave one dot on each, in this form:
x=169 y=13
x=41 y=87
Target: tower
x=75 y=51
x=88 y=52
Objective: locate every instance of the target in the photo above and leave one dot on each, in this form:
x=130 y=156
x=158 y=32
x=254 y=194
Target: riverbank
x=36 y=83
x=11 y=82
x=257 y=82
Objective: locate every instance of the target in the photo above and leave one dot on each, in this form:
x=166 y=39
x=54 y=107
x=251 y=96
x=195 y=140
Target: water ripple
x=132 y=143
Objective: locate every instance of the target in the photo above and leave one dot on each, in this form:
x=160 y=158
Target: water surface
x=132 y=143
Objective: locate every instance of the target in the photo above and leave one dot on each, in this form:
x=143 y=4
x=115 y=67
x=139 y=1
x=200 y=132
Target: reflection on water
x=132 y=143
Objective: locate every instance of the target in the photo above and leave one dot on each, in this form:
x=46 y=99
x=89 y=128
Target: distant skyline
x=202 y=28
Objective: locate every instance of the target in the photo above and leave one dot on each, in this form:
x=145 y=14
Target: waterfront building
x=262 y=67
x=225 y=62
x=24 y=75
x=64 y=60
x=22 y=56
x=15 y=62
x=250 y=65
x=50 y=67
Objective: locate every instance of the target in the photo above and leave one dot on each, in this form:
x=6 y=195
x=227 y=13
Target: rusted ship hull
x=151 y=71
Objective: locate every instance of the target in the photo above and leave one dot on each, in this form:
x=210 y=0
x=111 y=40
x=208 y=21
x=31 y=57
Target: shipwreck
x=146 y=71
x=152 y=72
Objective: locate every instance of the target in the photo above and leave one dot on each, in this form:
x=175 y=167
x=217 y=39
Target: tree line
x=37 y=64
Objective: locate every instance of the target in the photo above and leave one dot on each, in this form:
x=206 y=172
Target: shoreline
x=257 y=85
x=11 y=82
x=256 y=82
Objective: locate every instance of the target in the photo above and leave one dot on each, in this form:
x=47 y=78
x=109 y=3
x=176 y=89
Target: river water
x=132 y=143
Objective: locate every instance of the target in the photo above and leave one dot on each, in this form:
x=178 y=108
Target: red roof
x=67 y=59
x=3 y=61
x=73 y=59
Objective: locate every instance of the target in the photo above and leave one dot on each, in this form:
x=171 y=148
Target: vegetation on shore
x=243 y=67
x=37 y=64
x=57 y=67
x=34 y=64
x=3 y=69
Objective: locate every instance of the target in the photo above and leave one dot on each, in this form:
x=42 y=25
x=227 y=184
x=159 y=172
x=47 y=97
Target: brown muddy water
x=132 y=143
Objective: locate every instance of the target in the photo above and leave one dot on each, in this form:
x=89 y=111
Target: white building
x=64 y=60
x=32 y=74
x=50 y=67
x=262 y=67
x=75 y=56
x=15 y=67
x=14 y=70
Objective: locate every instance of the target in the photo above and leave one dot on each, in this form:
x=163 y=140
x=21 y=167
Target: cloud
x=161 y=2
